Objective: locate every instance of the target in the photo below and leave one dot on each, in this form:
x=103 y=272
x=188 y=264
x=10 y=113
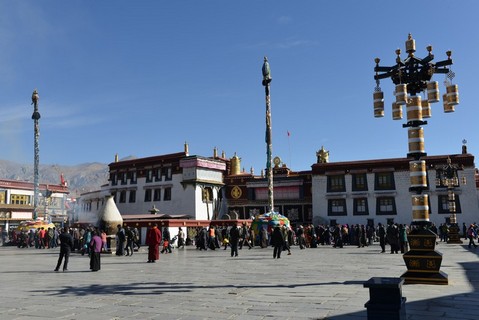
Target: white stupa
x=110 y=217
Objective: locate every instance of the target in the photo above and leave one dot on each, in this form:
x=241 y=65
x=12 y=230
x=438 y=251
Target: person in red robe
x=153 y=240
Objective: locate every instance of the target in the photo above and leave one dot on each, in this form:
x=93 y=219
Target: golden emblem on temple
x=236 y=192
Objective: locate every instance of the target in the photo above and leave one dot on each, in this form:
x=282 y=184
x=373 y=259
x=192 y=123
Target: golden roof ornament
x=323 y=155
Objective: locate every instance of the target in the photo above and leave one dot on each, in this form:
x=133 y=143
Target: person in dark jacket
x=392 y=236
x=234 y=239
x=66 y=247
x=277 y=241
x=382 y=237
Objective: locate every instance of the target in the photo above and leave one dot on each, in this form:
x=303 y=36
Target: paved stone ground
x=322 y=283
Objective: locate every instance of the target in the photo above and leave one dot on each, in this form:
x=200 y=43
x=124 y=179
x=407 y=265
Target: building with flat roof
x=16 y=202
x=373 y=191
x=352 y=192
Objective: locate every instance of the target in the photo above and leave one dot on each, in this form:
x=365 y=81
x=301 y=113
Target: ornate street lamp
x=411 y=77
x=448 y=177
x=36 y=151
x=269 y=144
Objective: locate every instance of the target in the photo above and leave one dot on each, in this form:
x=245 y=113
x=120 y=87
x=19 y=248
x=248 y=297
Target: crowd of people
x=93 y=241
x=393 y=235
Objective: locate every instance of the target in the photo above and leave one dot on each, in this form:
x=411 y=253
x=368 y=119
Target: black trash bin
x=385 y=299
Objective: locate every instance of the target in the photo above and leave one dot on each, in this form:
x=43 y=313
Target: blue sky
x=142 y=77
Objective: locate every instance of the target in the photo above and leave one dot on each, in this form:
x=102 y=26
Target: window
x=336 y=183
x=149 y=175
x=123 y=196
x=113 y=194
x=133 y=177
x=337 y=207
x=147 y=195
x=3 y=197
x=444 y=204
x=157 y=195
x=168 y=173
x=132 y=197
x=113 y=179
x=361 y=207
x=158 y=174
x=360 y=182
x=384 y=181
x=385 y=206
x=167 y=194
x=19 y=199
x=123 y=177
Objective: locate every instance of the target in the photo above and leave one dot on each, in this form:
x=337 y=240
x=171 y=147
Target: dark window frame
x=393 y=212
x=379 y=184
x=167 y=194
x=356 y=212
x=148 y=195
x=336 y=183
x=157 y=194
x=334 y=203
x=359 y=187
x=122 y=198
x=440 y=204
x=132 y=196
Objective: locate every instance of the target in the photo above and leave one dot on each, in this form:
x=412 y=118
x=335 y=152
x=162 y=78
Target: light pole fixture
x=269 y=144
x=448 y=177
x=412 y=76
x=36 y=152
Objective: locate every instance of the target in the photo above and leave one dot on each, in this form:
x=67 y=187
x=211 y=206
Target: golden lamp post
x=413 y=76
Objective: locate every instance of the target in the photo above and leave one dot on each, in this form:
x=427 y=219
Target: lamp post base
x=453 y=235
x=411 y=277
x=422 y=261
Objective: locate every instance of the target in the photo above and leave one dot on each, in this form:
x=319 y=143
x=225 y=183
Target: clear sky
x=142 y=77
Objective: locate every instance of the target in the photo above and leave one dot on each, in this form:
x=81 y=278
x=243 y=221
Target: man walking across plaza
x=129 y=241
x=234 y=239
x=121 y=238
x=153 y=240
x=66 y=247
x=382 y=237
x=277 y=241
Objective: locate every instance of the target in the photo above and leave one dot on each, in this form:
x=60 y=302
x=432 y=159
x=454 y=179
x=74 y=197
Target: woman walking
x=95 y=249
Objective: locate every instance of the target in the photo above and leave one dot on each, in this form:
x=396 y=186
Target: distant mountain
x=80 y=178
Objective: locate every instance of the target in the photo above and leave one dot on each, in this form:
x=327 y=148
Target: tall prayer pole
x=269 y=144
x=36 y=150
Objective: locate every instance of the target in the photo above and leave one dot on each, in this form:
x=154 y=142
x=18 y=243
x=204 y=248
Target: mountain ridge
x=80 y=178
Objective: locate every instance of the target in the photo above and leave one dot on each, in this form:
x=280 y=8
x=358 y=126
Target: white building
x=173 y=184
x=373 y=191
